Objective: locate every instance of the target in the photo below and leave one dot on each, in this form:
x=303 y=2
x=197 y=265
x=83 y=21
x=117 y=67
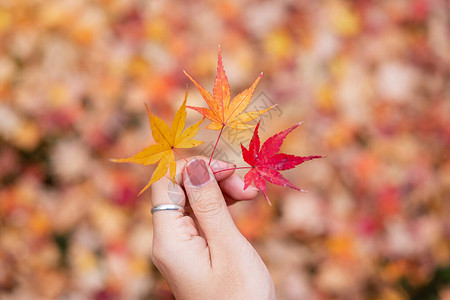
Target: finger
x=208 y=204
x=221 y=169
x=242 y=195
x=230 y=201
x=233 y=186
x=165 y=192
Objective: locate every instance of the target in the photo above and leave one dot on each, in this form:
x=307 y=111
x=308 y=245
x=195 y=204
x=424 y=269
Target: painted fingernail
x=198 y=172
x=217 y=165
x=231 y=166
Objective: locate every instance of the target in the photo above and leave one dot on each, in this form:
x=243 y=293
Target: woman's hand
x=202 y=254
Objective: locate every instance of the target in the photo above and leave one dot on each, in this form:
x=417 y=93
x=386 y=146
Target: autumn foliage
x=265 y=161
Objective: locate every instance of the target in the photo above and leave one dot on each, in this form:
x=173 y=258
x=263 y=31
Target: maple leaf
x=266 y=161
x=167 y=140
x=223 y=112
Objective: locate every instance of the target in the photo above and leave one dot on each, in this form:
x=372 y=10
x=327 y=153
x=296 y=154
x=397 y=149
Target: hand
x=202 y=254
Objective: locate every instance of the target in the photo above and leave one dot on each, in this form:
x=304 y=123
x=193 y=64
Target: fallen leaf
x=167 y=140
x=266 y=161
x=223 y=112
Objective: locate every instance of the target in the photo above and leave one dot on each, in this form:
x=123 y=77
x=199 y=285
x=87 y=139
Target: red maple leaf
x=266 y=162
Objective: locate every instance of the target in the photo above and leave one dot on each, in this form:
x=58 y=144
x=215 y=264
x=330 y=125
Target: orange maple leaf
x=223 y=112
x=167 y=140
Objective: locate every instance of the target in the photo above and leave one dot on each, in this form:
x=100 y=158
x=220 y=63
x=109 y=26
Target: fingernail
x=217 y=165
x=198 y=172
x=229 y=166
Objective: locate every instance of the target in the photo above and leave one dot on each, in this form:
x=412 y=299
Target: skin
x=202 y=254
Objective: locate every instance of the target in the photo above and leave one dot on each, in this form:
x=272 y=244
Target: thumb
x=208 y=203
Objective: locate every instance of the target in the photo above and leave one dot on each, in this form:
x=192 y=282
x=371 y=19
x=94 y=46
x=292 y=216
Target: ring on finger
x=166 y=207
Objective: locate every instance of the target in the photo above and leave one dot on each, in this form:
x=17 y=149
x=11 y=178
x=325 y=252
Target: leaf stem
x=215 y=146
x=237 y=168
x=179 y=154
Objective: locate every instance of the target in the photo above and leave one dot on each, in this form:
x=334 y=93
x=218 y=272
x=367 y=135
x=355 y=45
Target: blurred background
x=370 y=80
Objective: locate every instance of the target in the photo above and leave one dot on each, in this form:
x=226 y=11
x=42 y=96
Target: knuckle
x=208 y=200
x=209 y=206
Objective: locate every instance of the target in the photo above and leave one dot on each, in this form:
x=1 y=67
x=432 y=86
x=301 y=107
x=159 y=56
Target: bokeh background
x=370 y=80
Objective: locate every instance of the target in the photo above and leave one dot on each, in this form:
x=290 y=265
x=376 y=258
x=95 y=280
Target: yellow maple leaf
x=167 y=140
x=223 y=112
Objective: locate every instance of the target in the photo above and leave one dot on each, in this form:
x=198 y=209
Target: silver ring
x=164 y=207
